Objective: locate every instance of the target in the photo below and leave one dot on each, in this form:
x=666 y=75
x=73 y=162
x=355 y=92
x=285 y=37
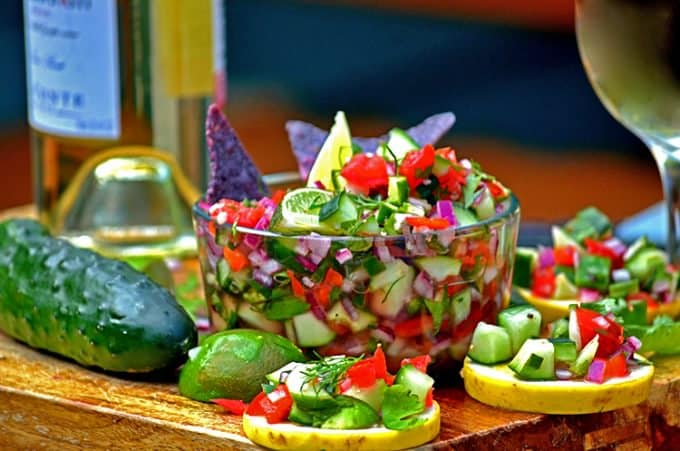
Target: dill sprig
x=326 y=373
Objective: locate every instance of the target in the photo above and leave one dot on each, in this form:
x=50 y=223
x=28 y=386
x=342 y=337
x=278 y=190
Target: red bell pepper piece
x=413 y=327
x=362 y=373
x=564 y=255
x=543 y=283
x=420 y=362
x=296 y=285
x=591 y=323
x=333 y=278
x=644 y=296
x=235 y=406
x=429 y=223
x=595 y=247
x=237 y=261
x=366 y=172
x=278 y=196
x=274 y=406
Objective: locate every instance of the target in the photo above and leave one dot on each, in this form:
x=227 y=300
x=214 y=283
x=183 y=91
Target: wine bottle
x=117 y=95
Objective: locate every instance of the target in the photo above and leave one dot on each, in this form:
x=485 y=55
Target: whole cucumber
x=97 y=311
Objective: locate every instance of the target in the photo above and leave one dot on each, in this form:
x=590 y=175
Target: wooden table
x=48 y=403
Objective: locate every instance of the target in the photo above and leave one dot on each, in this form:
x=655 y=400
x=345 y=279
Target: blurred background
x=510 y=71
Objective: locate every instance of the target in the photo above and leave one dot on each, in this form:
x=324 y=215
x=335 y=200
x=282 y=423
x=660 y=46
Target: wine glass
x=631 y=52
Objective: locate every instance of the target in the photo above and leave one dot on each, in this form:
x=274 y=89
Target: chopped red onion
x=445 y=210
x=255 y=258
x=563 y=374
x=319 y=184
x=440 y=346
x=204 y=205
x=620 y=275
x=382 y=253
x=306 y=263
x=307 y=282
x=383 y=334
x=419 y=203
x=493 y=241
x=318 y=245
x=661 y=286
x=315 y=258
x=202 y=324
x=262 y=223
x=315 y=307
x=349 y=308
x=616 y=246
x=423 y=286
x=266 y=202
x=343 y=255
x=263 y=278
x=301 y=247
x=252 y=241
x=633 y=343
x=546 y=257
x=446 y=236
x=588 y=295
x=271 y=266
x=596 y=371
x=347 y=286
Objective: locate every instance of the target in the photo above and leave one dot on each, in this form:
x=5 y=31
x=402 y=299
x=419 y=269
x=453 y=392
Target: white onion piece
x=620 y=275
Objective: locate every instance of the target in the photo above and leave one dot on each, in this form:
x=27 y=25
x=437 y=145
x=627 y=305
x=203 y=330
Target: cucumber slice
x=535 y=360
x=486 y=208
x=391 y=298
x=439 y=268
x=640 y=244
x=311 y=331
x=373 y=395
x=565 y=350
x=393 y=271
x=562 y=238
x=363 y=321
x=644 y=263
x=521 y=323
x=256 y=319
x=525 y=262
x=346 y=211
x=356 y=415
x=585 y=357
x=460 y=306
x=400 y=143
x=593 y=272
x=464 y=216
x=490 y=344
x=415 y=380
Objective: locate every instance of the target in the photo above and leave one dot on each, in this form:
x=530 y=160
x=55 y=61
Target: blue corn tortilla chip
x=233 y=174
x=306 y=139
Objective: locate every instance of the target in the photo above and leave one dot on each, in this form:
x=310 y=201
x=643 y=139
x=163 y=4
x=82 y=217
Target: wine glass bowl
x=631 y=53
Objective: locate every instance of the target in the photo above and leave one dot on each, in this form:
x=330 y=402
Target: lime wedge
x=335 y=152
x=300 y=211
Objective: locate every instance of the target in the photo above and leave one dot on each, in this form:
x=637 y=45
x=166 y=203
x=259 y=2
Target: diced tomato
x=237 y=213
x=339 y=328
x=274 y=406
x=333 y=278
x=429 y=398
x=417 y=165
x=322 y=294
x=447 y=153
x=454 y=288
x=591 y=323
x=644 y=296
x=413 y=327
x=365 y=171
x=296 y=285
x=345 y=385
x=278 y=196
x=595 y=247
x=543 y=283
x=420 y=362
x=496 y=189
x=236 y=259
x=380 y=363
x=564 y=255
x=362 y=373
x=235 y=406
x=428 y=223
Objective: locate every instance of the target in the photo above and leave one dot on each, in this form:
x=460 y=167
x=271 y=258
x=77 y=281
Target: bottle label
x=72 y=67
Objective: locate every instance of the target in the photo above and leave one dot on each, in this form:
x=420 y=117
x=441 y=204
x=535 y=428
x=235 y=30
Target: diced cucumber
x=464 y=216
x=222 y=271
x=490 y=344
x=397 y=189
x=253 y=318
x=623 y=289
x=389 y=299
x=373 y=395
x=460 y=306
x=593 y=272
x=441 y=166
x=585 y=357
x=356 y=415
x=521 y=323
x=439 y=268
x=281 y=375
x=364 y=319
x=564 y=288
x=385 y=210
x=525 y=262
x=346 y=211
x=565 y=350
x=311 y=331
x=393 y=271
x=223 y=235
x=298 y=415
x=416 y=381
x=306 y=395
x=639 y=244
x=486 y=208
x=562 y=238
x=560 y=328
x=399 y=143
x=535 y=360
x=413 y=209
x=588 y=223
x=645 y=262
x=393 y=223
x=567 y=271
x=369 y=226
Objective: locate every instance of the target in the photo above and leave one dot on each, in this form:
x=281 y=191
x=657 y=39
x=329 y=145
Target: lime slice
x=335 y=152
x=300 y=210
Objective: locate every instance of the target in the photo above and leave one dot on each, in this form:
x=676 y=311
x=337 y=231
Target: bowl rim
x=497 y=220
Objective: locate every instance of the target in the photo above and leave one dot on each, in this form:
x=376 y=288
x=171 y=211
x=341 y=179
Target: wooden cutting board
x=49 y=403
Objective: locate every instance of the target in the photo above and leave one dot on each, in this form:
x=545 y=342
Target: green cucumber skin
x=78 y=304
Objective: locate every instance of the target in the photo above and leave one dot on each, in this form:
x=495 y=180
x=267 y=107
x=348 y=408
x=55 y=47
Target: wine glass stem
x=669 y=169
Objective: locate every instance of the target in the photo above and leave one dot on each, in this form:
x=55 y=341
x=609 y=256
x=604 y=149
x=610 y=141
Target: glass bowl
x=421 y=293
